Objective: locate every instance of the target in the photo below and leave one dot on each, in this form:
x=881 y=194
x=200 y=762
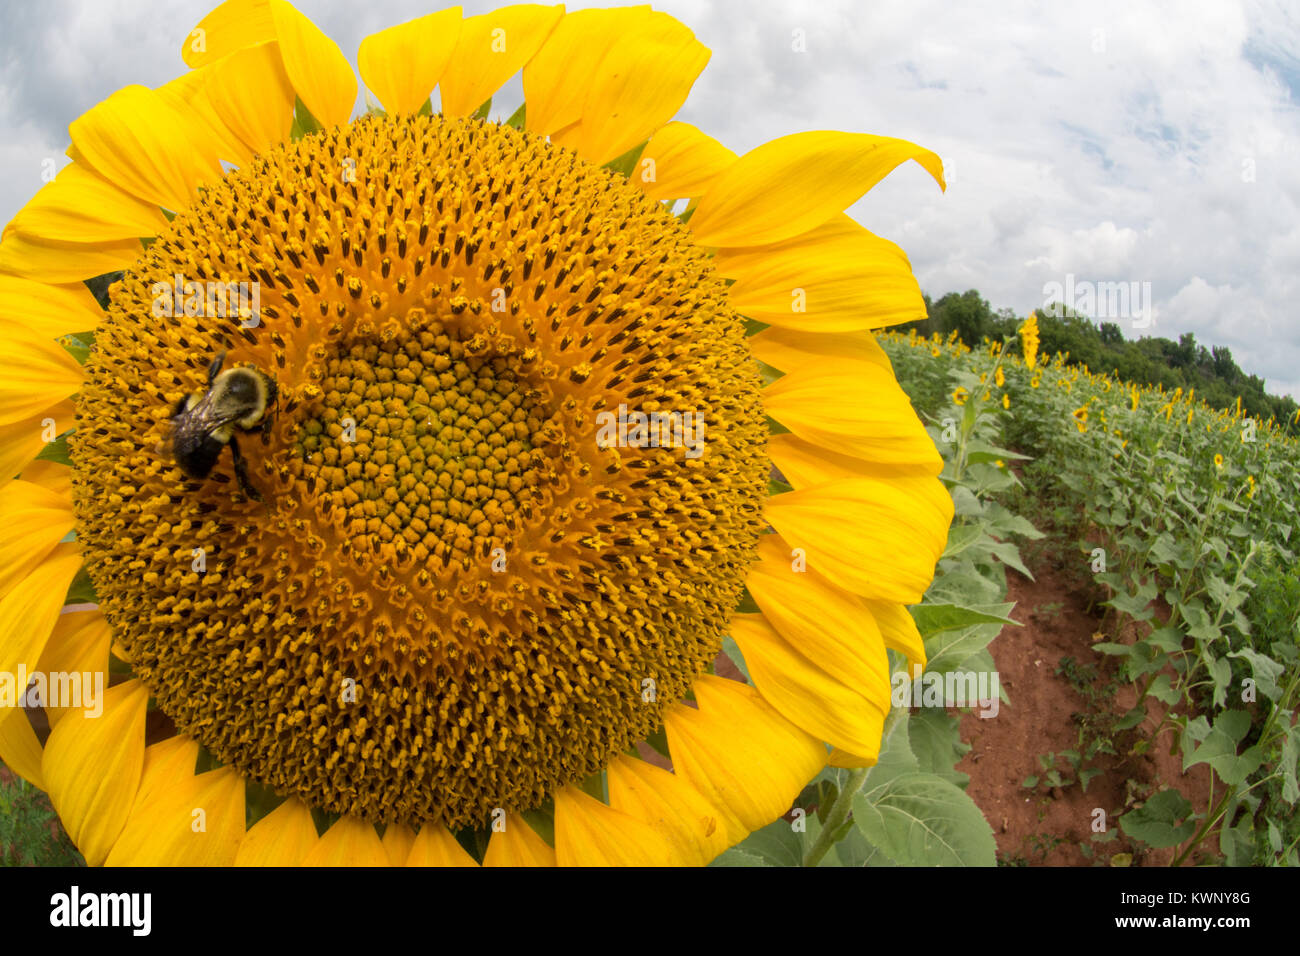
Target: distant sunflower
x=1029 y=340
x=1080 y=416
x=462 y=607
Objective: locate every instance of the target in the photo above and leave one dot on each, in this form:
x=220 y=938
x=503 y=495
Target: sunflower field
x=1182 y=518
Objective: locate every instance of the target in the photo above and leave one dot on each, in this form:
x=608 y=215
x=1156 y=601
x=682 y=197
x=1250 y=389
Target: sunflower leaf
x=935 y=618
x=961 y=537
x=518 y=117
x=920 y=819
x=1163 y=821
x=777 y=844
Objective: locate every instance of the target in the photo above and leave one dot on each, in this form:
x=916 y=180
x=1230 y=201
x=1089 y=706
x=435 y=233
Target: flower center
x=510 y=485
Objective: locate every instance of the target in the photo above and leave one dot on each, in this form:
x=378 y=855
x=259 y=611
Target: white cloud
x=1115 y=141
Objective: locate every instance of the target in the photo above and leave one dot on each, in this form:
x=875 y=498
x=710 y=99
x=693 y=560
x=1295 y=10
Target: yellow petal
x=138 y=139
x=35 y=374
x=28 y=612
x=250 y=95
x=35 y=519
x=316 y=66
x=398 y=840
x=48 y=311
x=78 y=645
x=164 y=762
x=20 y=750
x=855 y=408
x=23 y=440
x=492 y=48
x=641 y=84
x=517 y=845
x=190 y=820
x=82 y=206
x=232 y=26
x=350 y=842
x=879 y=539
x=65 y=261
x=899 y=630
x=790 y=350
x=824 y=623
x=680 y=161
x=804 y=464
x=740 y=753
x=842 y=758
x=435 y=846
x=589 y=833
x=558 y=79
x=52 y=475
x=189 y=93
x=796 y=183
x=92 y=768
x=691 y=826
x=804 y=693
x=403 y=64
x=283 y=837
x=836 y=278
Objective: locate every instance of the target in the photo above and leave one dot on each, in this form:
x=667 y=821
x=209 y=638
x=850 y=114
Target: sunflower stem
x=843 y=805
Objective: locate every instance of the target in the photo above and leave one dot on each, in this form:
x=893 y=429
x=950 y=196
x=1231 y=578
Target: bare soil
x=1049 y=712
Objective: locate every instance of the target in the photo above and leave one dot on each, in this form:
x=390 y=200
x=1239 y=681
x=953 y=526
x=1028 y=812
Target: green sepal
x=623 y=165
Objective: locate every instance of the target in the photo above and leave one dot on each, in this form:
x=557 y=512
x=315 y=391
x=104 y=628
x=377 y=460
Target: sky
x=1086 y=145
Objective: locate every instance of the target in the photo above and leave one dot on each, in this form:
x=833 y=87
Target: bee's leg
x=241 y=472
x=215 y=368
x=269 y=415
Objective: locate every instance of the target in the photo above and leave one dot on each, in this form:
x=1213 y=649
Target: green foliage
x=1185 y=515
x=30 y=834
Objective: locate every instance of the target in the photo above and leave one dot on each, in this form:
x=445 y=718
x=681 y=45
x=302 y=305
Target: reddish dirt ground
x=1048 y=826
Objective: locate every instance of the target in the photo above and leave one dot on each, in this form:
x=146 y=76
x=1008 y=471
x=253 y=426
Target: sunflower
x=1080 y=416
x=511 y=485
x=1029 y=340
x=1218 y=461
x=960 y=395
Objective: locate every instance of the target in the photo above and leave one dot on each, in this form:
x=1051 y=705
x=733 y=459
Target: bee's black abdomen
x=197 y=454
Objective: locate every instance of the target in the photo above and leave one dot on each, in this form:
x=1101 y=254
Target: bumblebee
x=205 y=422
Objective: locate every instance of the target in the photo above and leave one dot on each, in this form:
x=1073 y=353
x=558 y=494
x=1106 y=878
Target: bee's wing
x=193 y=427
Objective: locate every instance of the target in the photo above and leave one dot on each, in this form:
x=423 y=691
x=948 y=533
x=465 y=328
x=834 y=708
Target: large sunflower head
x=421 y=464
